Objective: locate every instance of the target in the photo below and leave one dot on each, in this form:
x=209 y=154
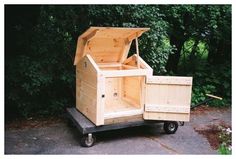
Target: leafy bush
x=41 y=43
x=225 y=137
x=214 y=80
x=40 y=74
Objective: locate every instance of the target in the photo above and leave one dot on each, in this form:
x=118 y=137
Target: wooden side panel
x=168 y=98
x=86 y=88
x=133 y=89
x=112 y=91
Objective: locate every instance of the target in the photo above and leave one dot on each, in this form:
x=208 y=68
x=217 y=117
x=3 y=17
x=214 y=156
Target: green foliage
x=214 y=80
x=41 y=77
x=225 y=137
x=154 y=47
x=224 y=150
x=41 y=41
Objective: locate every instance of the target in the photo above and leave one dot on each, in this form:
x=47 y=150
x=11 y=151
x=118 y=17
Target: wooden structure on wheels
x=112 y=88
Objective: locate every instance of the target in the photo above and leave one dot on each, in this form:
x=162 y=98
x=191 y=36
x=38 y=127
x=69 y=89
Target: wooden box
x=112 y=88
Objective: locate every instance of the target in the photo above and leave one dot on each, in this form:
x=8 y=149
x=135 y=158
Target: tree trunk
x=173 y=60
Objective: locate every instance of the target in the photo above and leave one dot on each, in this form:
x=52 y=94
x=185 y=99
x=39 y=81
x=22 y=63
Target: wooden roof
x=106 y=44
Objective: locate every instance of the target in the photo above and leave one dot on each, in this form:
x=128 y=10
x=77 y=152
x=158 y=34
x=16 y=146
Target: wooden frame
x=112 y=88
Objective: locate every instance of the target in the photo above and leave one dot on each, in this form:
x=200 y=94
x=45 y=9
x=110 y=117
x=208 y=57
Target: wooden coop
x=112 y=87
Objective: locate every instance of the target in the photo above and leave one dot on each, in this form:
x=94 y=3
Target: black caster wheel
x=170 y=127
x=88 y=140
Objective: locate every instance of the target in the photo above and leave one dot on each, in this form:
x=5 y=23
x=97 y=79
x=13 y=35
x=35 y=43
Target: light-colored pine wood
x=166 y=116
x=128 y=67
x=133 y=89
x=212 y=96
x=124 y=119
x=115 y=64
x=106 y=44
x=86 y=88
x=120 y=99
x=132 y=61
x=170 y=80
x=125 y=50
x=137 y=51
x=100 y=107
x=111 y=88
x=168 y=95
x=122 y=73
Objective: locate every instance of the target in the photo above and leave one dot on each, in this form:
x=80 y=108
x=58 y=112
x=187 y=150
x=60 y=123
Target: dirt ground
x=54 y=136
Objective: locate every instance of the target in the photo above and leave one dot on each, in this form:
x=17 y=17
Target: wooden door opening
x=123 y=96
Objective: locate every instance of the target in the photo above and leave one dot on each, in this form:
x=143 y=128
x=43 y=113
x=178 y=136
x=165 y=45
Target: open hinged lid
x=106 y=44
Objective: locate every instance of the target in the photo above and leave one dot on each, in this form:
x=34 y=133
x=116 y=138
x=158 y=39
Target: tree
x=41 y=77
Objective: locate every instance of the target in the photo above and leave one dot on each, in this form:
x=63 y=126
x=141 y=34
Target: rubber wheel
x=85 y=141
x=170 y=127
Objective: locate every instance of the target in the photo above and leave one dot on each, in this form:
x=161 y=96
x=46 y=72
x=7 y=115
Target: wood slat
x=167 y=108
x=169 y=80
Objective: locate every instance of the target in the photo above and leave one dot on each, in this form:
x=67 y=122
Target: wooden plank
x=143 y=63
x=132 y=89
x=89 y=78
x=129 y=67
x=87 y=64
x=100 y=100
x=137 y=51
x=79 y=50
x=168 y=95
x=134 y=35
x=125 y=50
x=121 y=73
x=135 y=103
x=88 y=110
x=86 y=88
x=168 y=98
x=167 y=108
x=126 y=119
x=105 y=56
x=90 y=35
x=132 y=62
x=170 y=80
x=102 y=41
x=112 y=91
x=110 y=64
x=123 y=113
x=166 y=116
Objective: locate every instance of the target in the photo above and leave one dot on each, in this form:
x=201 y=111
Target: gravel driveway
x=58 y=138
